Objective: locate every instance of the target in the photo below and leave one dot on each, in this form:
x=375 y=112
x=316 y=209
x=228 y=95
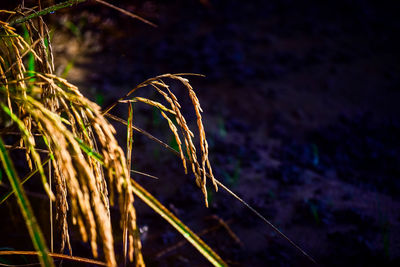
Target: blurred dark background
x=301 y=109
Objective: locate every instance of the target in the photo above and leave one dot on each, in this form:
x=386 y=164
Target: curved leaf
x=196 y=241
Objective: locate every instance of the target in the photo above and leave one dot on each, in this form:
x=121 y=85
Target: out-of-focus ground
x=301 y=109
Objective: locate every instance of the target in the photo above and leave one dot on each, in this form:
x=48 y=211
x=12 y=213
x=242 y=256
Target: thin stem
x=55 y=255
x=123 y=11
x=220 y=184
x=23 y=181
x=46 y=11
x=51 y=214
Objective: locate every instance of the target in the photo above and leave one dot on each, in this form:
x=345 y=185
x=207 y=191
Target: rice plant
x=87 y=171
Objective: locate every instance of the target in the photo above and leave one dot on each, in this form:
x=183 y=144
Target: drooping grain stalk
x=175 y=109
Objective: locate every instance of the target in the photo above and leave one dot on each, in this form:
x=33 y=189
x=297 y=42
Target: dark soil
x=301 y=108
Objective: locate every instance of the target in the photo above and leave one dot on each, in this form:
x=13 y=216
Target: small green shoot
x=232 y=178
x=315 y=153
x=221 y=127
x=31 y=58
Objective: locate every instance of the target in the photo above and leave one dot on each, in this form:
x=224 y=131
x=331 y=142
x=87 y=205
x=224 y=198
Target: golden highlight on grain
x=175 y=110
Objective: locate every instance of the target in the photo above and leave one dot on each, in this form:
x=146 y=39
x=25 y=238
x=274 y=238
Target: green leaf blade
x=30 y=220
x=190 y=236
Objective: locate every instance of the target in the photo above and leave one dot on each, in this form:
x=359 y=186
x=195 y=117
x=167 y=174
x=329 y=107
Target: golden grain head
x=200 y=169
